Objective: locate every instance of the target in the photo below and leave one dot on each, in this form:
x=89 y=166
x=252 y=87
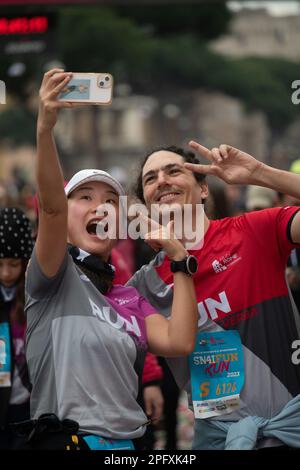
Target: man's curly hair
x=188 y=157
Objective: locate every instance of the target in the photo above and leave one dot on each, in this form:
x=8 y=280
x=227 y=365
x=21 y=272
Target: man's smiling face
x=167 y=181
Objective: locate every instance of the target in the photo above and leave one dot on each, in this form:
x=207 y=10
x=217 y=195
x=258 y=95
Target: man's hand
x=228 y=163
x=154 y=402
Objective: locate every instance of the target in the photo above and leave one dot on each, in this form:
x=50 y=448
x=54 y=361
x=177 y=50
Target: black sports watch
x=188 y=265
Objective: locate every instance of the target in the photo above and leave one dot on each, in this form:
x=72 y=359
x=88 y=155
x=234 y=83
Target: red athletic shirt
x=241 y=285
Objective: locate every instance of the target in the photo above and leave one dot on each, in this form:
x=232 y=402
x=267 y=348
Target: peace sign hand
x=228 y=163
x=159 y=237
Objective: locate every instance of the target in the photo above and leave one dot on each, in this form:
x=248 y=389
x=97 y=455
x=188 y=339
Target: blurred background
x=212 y=71
x=216 y=72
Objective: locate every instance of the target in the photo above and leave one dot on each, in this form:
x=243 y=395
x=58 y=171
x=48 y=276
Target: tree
x=18 y=125
x=206 y=20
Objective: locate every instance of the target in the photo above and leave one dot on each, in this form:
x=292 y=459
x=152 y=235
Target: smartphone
x=90 y=88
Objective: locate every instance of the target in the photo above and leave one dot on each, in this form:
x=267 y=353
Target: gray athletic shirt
x=84 y=354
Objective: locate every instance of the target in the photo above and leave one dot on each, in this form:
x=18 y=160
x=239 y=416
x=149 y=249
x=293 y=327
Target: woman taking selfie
x=86 y=339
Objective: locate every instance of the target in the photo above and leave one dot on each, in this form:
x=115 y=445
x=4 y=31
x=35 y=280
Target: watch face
x=192 y=264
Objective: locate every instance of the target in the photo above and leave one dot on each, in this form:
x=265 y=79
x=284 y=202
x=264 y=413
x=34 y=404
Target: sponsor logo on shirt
x=218 y=267
x=220 y=310
x=125 y=301
x=213 y=307
x=115 y=320
x=222 y=264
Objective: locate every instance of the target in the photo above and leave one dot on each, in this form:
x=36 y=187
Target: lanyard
x=5 y=356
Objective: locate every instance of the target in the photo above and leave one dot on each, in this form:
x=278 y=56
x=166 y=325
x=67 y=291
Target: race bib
x=217 y=373
x=5 y=356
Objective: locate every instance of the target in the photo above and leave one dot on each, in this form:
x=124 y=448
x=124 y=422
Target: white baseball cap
x=259 y=197
x=84 y=176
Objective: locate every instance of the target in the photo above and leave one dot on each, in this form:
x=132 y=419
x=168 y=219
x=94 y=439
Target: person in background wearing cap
x=258 y=197
x=16 y=244
x=243 y=300
x=86 y=339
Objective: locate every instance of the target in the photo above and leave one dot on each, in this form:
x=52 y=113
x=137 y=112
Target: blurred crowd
x=175 y=428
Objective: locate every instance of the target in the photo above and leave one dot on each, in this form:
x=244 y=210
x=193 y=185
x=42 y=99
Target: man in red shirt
x=242 y=296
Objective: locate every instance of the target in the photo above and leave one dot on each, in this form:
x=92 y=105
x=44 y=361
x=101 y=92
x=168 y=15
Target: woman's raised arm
x=53 y=211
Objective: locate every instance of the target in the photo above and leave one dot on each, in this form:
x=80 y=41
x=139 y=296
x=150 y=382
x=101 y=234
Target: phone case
x=91 y=88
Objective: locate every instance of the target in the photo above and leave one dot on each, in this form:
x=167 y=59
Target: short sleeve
x=134 y=281
x=145 y=307
x=274 y=224
x=37 y=284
